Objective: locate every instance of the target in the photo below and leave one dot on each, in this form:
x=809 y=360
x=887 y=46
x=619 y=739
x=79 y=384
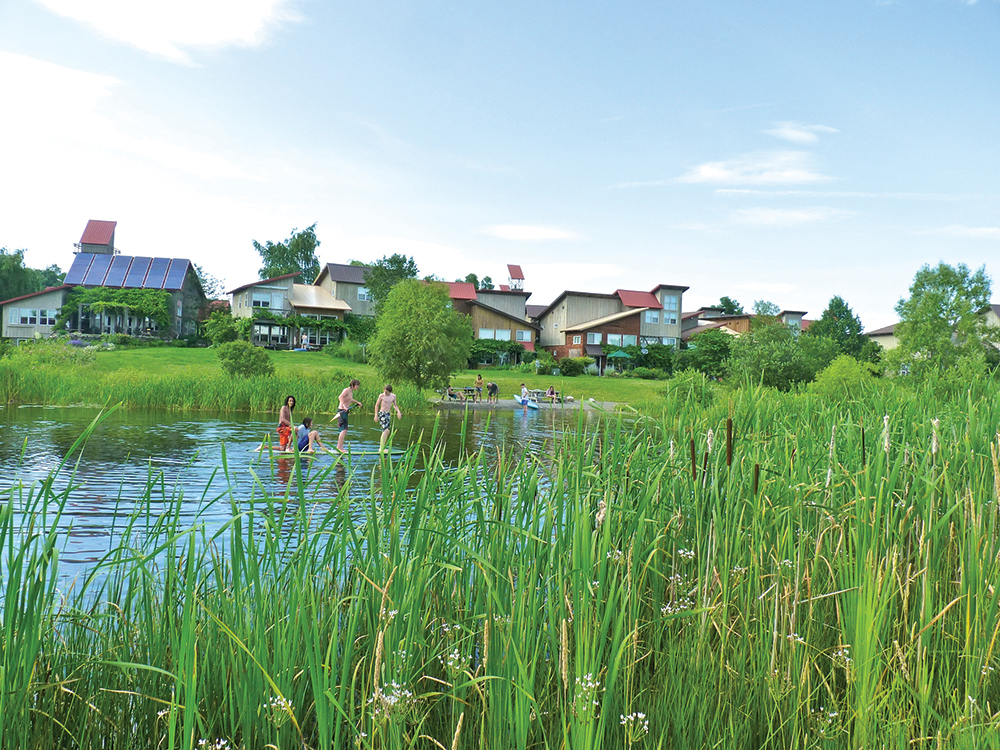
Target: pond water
x=196 y=458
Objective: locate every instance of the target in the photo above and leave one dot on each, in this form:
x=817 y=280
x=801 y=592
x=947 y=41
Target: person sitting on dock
x=308 y=437
x=455 y=396
x=550 y=394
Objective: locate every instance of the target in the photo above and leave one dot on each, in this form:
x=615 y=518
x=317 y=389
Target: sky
x=784 y=151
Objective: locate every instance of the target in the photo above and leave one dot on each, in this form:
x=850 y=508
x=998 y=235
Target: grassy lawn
x=168 y=360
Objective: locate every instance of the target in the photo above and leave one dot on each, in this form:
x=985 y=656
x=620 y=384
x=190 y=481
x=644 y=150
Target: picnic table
x=538 y=395
x=464 y=393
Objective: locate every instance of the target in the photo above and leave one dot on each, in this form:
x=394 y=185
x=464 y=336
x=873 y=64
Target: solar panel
x=98 y=270
x=137 y=272
x=157 y=272
x=176 y=274
x=119 y=267
x=78 y=271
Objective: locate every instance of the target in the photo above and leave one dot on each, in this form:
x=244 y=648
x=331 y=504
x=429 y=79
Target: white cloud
x=956 y=230
x=848 y=194
x=798 y=133
x=166 y=28
x=530 y=234
x=760 y=168
x=785 y=217
x=64 y=109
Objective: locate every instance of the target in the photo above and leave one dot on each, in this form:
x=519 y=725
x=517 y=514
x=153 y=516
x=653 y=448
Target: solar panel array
x=98 y=269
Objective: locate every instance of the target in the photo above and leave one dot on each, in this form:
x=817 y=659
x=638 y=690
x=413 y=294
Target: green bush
x=347 y=349
x=691 y=386
x=573 y=366
x=180 y=343
x=243 y=359
x=844 y=377
x=221 y=327
x=646 y=373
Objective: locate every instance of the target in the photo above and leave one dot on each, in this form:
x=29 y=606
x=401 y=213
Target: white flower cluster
x=453 y=662
x=678 y=605
x=585 y=700
x=280 y=704
x=636 y=726
x=396 y=700
x=842 y=656
x=616 y=556
x=686 y=554
x=219 y=744
x=795 y=638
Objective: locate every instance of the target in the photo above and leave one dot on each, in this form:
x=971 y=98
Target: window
x=364 y=296
x=652 y=316
x=29 y=317
x=48 y=317
x=594 y=338
x=486 y=333
x=261 y=299
x=649 y=340
x=180 y=308
x=614 y=339
x=669 y=341
x=14 y=316
x=576 y=339
x=670 y=305
x=523 y=335
x=628 y=340
x=503 y=334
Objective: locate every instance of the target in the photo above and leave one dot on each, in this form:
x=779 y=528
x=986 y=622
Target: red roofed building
x=497 y=314
x=515 y=276
x=98 y=237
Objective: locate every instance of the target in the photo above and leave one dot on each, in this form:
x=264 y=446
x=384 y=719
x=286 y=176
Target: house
x=497 y=314
x=885 y=336
x=32 y=315
x=281 y=298
x=580 y=323
x=347 y=283
x=97 y=264
x=706 y=318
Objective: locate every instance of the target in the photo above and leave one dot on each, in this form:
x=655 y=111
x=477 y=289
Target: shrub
x=221 y=327
x=691 y=386
x=570 y=367
x=845 y=376
x=180 y=343
x=347 y=349
x=646 y=373
x=243 y=359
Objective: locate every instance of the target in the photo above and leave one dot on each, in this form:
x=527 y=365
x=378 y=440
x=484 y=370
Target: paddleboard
x=276 y=454
x=521 y=402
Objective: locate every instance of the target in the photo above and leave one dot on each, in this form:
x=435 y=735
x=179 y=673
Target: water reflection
x=144 y=461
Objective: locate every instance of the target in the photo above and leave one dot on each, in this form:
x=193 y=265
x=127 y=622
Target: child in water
x=308 y=438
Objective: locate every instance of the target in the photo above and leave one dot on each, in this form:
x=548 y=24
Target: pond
x=191 y=459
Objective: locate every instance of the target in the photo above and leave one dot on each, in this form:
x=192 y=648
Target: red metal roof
x=505 y=287
x=631 y=298
x=35 y=294
x=461 y=290
x=98 y=232
x=515 y=272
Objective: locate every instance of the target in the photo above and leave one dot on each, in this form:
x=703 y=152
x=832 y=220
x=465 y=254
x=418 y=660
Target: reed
x=597 y=594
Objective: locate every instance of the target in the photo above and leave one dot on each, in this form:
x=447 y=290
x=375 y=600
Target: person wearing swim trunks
x=479 y=389
x=285 y=424
x=308 y=437
x=384 y=405
x=347 y=400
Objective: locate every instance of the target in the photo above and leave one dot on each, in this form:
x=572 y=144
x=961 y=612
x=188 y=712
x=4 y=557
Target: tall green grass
x=608 y=591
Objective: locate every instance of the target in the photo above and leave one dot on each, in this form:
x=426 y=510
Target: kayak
x=523 y=401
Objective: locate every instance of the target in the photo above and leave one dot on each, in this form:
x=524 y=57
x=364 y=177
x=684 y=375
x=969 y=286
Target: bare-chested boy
x=347 y=400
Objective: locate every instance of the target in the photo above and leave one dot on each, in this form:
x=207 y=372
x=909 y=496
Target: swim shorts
x=284 y=436
x=385 y=419
x=342 y=419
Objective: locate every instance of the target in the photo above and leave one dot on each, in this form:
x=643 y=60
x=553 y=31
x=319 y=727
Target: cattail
x=379 y=649
x=672 y=450
x=833 y=444
x=486 y=642
x=710 y=439
x=458 y=731
x=934 y=436
x=885 y=434
x=602 y=510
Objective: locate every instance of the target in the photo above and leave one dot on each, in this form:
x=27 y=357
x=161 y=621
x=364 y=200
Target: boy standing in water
x=384 y=405
x=346 y=402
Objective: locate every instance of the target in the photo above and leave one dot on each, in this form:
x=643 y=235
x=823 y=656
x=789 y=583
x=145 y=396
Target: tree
x=941 y=320
x=419 y=338
x=772 y=355
x=221 y=327
x=765 y=309
x=839 y=324
x=730 y=306
x=385 y=274
x=297 y=254
x=51 y=275
x=244 y=360
x=16 y=279
x=472 y=279
x=211 y=285
x=709 y=350
x=486 y=283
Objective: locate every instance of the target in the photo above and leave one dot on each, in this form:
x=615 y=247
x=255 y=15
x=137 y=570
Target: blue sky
x=785 y=151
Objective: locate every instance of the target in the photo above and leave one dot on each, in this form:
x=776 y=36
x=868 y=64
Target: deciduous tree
x=765 y=308
x=385 y=274
x=942 y=318
x=730 y=306
x=419 y=338
x=297 y=254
